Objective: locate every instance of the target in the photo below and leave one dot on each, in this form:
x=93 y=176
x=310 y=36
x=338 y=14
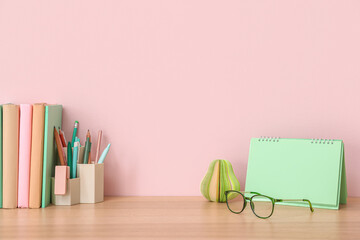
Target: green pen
x=76 y=125
x=87 y=150
x=69 y=155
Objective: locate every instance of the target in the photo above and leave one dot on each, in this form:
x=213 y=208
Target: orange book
x=37 y=153
x=11 y=116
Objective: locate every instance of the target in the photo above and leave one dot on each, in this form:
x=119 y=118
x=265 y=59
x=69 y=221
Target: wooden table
x=176 y=218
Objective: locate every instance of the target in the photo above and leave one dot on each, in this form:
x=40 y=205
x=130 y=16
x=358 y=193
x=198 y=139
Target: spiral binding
x=268 y=139
x=322 y=141
x=313 y=140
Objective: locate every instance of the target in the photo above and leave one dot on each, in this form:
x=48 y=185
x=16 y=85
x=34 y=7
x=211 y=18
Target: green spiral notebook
x=311 y=169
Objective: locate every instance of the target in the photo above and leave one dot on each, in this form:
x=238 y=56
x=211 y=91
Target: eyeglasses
x=261 y=205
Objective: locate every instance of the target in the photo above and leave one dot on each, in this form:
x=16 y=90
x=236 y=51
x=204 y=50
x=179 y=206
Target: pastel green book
x=1 y=158
x=311 y=169
x=53 y=117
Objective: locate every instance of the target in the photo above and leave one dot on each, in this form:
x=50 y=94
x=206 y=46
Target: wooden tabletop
x=177 y=218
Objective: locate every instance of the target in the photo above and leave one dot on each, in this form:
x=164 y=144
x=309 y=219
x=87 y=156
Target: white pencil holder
x=91 y=182
x=72 y=195
x=81 y=153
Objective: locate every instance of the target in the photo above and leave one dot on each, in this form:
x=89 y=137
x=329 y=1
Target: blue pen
x=76 y=125
x=104 y=153
x=75 y=159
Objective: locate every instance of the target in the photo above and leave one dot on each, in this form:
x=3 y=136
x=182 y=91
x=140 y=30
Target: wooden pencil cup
x=72 y=195
x=91 y=182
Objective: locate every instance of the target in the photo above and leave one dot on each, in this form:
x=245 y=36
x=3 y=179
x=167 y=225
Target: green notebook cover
x=298 y=169
x=1 y=157
x=53 y=116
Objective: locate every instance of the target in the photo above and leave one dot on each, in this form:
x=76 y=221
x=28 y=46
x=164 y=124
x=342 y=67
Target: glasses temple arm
x=296 y=200
x=252 y=193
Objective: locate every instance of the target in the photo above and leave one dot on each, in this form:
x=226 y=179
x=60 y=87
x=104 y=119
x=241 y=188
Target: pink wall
x=176 y=84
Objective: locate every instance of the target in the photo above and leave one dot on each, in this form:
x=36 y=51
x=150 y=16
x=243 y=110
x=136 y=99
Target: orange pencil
x=59 y=147
x=62 y=138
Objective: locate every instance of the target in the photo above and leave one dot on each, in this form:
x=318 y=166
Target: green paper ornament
x=219 y=178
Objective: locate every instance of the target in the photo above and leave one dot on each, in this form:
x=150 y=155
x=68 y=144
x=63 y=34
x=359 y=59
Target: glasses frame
x=250 y=199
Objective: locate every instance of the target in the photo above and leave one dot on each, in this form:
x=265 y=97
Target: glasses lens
x=235 y=201
x=262 y=206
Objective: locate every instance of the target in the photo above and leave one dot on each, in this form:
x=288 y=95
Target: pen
x=76 y=125
x=104 y=153
x=98 y=146
x=59 y=147
x=78 y=156
x=69 y=156
x=74 y=161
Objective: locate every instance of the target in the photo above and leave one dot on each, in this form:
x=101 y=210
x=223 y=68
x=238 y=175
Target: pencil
x=90 y=147
x=98 y=146
x=59 y=147
x=62 y=138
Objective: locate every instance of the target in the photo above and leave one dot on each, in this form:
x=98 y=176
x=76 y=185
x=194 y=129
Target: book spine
x=24 y=155
x=37 y=151
x=10 y=154
x=44 y=188
x=1 y=156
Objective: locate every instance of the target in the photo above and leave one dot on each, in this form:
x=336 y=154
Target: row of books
x=27 y=153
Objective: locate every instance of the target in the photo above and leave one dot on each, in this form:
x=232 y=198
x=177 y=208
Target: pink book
x=24 y=155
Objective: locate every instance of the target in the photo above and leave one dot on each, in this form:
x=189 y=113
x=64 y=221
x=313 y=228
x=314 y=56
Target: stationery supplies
x=69 y=155
x=91 y=182
x=62 y=173
x=62 y=138
x=53 y=116
x=89 y=159
x=37 y=154
x=75 y=159
x=76 y=125
x=59 y=147
x=298 y=168
x=98 y=146
x=103 y=155
x=11 y=114
x=81 y=151
x=1 y=155
x=87 y=149
x=72 y=195
x=24 y=155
